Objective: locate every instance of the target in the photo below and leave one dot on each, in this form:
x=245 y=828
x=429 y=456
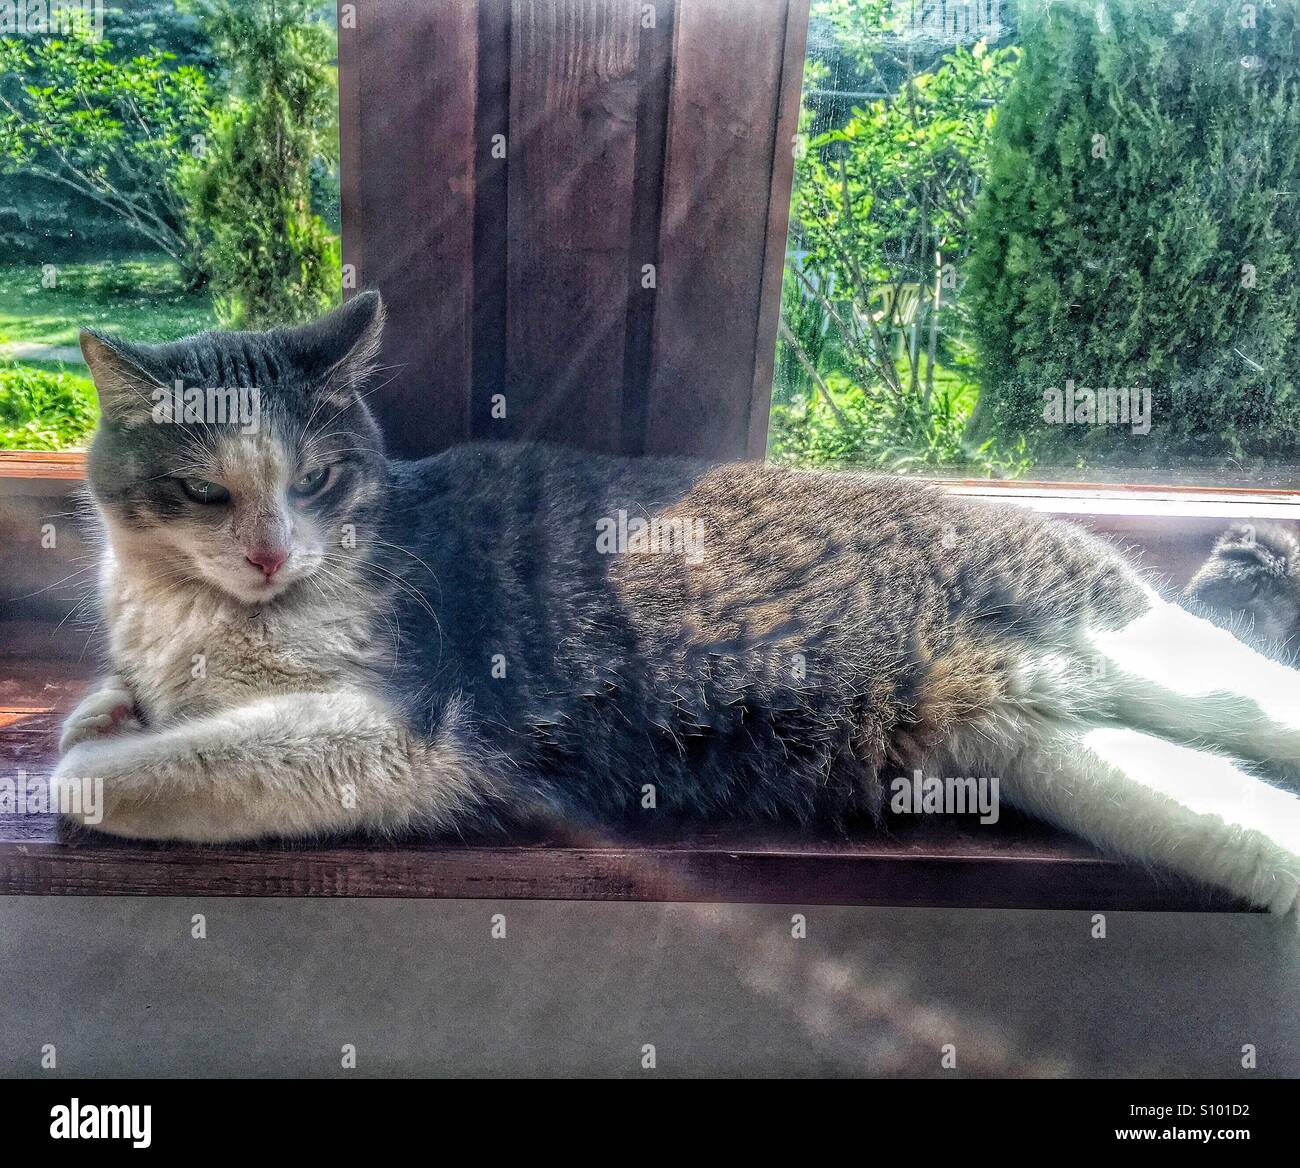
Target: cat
x=307 y=638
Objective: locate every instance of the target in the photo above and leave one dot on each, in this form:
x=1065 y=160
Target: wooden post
x=576 y=211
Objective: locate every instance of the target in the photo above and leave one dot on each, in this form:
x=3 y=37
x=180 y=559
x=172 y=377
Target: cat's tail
x=1252 y=574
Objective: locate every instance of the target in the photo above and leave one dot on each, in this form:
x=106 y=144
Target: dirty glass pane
x=1046 y=240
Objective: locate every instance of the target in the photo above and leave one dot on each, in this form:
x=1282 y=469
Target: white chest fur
x=187 y=651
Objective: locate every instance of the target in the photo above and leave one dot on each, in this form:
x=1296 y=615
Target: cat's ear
x=340 y=351
x=124 y=388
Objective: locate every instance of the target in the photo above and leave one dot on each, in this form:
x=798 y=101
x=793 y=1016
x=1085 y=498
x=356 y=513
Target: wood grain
x=40 y=472
x=741 y=871
x=408 y=143
x=723 y=159
x=573 y=124
x=655 y=71
x=635 y=134
x=789 y=92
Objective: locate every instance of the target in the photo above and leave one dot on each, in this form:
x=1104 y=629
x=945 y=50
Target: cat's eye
x=204 y=491
x=311 y=483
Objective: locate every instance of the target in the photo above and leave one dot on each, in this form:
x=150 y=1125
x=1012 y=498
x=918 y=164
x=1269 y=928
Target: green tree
x=1141 y=227
x=273 y=260
x=117 y=132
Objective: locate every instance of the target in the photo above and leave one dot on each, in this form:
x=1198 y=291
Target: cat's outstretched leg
x=1142 y=796
x=289 y=765
x=1178 y=675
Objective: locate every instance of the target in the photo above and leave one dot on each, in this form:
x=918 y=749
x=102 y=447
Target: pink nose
x=270 y=560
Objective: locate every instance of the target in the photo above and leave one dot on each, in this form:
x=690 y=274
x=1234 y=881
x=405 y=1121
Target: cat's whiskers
x=407 y=552
x=56 y=584
x=393 y=577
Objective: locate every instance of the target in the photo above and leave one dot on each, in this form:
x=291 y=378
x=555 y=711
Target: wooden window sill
x=40 y=472
x=932 y=862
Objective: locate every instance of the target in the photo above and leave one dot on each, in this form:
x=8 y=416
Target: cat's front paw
x=102 y=713
x=77 y=786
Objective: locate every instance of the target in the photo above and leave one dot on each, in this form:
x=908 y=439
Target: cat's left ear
x=340 y=351
x=124 y=388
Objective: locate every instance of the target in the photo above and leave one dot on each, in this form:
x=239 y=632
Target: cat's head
x=242 y=459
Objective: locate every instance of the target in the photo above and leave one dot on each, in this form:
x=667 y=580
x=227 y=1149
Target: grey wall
x=120 y=987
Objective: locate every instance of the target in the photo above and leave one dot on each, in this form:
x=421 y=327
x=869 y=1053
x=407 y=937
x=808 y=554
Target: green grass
x=45 y=406
x=140 y=298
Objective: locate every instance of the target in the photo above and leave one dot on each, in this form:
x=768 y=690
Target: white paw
x=1275 y=874
x=76 y=790
x=101 y=714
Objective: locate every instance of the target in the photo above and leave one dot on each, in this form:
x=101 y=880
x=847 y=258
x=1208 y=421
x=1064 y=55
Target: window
x=1049 y=241
x=586 y=219
x=138 y=193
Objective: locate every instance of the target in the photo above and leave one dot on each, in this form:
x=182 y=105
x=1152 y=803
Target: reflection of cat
x=1251 y=584
x=308 y=637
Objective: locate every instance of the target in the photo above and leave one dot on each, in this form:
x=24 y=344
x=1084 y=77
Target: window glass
x=1048 y=240
x=165 y=166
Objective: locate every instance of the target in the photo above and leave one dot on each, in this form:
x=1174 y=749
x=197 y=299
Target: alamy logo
x=1114 y=406
x=82 y=798
x=102 y=1121
x=220 y=405
x=38 y=18
x=920 y=795
x=666 y=535
x=948 y=21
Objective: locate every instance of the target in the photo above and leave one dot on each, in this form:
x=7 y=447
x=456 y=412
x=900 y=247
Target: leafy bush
x=1140 y=226
x=220 y=165
x=845 y=426
x=880 y=221
x=41 y=409
x=46 y=222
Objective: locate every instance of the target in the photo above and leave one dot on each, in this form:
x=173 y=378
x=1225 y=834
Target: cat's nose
x=269 y=560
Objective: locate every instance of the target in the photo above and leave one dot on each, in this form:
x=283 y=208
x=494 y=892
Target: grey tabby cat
x=309 y=638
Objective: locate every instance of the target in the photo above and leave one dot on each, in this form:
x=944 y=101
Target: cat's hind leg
x=1177 y=675
x=290 y=765
x=1149 y=799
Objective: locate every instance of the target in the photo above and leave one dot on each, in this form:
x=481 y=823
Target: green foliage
x=858 y=27
x=1141 y=227
x=44 y=222
x=844 y=426
x=813 y=342
x=272 y=258
x=116 y=132
x=45 y=409
x=880 y=228
x=877 y=197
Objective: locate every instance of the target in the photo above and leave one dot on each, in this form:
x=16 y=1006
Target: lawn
x=50 y=405
x=45 y=405
x=141 y=298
